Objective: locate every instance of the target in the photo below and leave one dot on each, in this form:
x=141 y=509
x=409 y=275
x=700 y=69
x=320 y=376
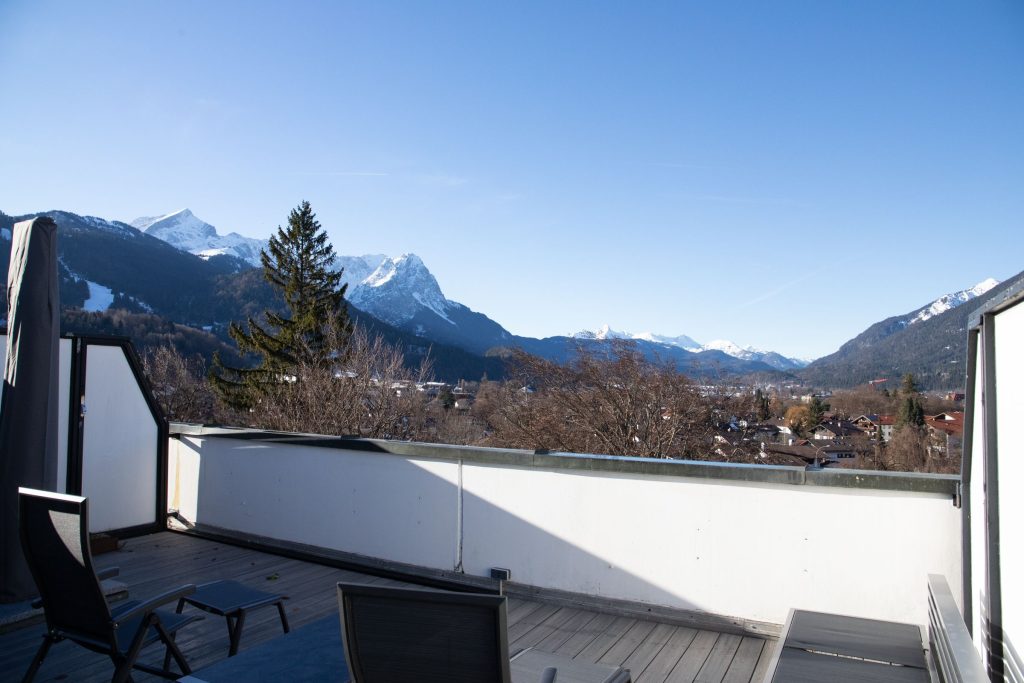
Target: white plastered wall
x=747 y=550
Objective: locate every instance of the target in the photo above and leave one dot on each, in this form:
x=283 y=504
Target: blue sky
x=781 y=174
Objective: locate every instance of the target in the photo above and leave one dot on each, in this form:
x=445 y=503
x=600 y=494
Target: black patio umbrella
x=28 y=405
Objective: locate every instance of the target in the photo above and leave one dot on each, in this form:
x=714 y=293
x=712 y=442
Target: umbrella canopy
x=28 y=406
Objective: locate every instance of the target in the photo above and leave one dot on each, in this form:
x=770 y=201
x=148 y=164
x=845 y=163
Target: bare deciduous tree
x=179 y=385
x=617 y=403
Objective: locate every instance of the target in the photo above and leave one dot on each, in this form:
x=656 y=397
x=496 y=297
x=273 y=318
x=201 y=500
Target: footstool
x=232 y=600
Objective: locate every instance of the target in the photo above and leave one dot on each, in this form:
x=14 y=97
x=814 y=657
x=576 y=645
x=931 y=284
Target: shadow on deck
x=654 y=652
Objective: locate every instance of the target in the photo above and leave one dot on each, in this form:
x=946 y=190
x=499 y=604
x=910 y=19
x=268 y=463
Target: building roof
x=950 y=423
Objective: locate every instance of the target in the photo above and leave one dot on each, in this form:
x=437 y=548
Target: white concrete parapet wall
x=744 y=549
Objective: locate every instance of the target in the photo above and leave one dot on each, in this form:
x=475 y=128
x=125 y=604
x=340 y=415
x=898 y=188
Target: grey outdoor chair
x=55 y=539
x=409 y=635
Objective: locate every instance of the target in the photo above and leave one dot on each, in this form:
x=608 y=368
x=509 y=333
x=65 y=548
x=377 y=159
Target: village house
x=836 y=430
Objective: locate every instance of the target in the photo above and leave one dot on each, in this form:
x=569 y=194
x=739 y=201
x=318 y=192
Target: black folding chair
x=400 y=635
x=55 y=538
x=407 y=635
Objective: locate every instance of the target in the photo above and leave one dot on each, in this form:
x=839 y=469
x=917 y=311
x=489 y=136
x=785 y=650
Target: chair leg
x=284 y=618
x=236 y=633
x=172 y=650
x=37 y=661
x=124 y=669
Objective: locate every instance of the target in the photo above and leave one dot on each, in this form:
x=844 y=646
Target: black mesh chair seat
x=410 y=635
x=55 y=538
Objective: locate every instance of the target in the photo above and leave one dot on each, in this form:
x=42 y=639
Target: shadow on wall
x=365 y=501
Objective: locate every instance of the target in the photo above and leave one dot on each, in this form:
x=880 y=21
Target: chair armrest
x=148 y=606
x=108 y=573
x=549 y=675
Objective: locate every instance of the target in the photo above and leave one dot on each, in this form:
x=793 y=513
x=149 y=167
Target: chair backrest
x=399 y=635
x=55 y=540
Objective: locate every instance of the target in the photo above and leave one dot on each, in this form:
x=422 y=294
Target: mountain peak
x=186 y=231
x=952 y=300
x=398 y=288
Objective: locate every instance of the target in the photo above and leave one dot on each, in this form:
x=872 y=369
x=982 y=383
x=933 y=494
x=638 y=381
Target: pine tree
x=762 y=405
x=816 y=412
x=297 y=263
x=910 y=411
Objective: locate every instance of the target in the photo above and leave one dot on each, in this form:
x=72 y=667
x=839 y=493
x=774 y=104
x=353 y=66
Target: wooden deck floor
x=654 y=652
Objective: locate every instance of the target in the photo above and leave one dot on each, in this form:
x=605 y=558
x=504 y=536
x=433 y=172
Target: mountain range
x=929 y=342
x=176 y=267
x=402 y=292
x=775 y=360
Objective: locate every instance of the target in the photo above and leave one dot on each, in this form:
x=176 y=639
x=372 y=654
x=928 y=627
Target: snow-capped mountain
x=682 y=341
x=606 y=332
x=929 y=342
x=187 y=232
x=357 y=268
x=952 y=300
x=402 y=292
x=398 y=288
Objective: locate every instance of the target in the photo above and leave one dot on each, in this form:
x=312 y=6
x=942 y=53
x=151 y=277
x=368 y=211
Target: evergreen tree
x=762 y=406
x=297 y=263
x=909 y=386
x=910 y=411
x=816 y=411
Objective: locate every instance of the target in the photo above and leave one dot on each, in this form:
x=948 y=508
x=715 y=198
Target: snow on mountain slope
x=187 y=232
x=726 y=346
x=398 y=288
x=357 y=268
x=100 y=297
x=606 y=332
x=684 y=342
x=952 y=300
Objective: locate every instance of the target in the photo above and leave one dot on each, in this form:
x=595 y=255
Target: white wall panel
x=400 y=509
x=735 y=549
x=748 y=550
x=1010 y=407
x=119 y=472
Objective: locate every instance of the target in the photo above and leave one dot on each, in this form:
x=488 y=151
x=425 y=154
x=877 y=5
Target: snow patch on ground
x=100 y=297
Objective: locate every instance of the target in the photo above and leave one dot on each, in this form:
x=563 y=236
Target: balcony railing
x=736 y=544
x=732 y=547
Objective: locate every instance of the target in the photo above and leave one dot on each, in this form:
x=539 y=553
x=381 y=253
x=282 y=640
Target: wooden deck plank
x=584 y=636
x=520 y=611
x=693 y=659
x=659 y=669
x=606 y=640
x=543 y=629
x=630 y=641
x=648 y=649
x=745 y=661
x=720 y=658
x=764 y=662
x=566 y=631
x=530 y=621
x=152 y=564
